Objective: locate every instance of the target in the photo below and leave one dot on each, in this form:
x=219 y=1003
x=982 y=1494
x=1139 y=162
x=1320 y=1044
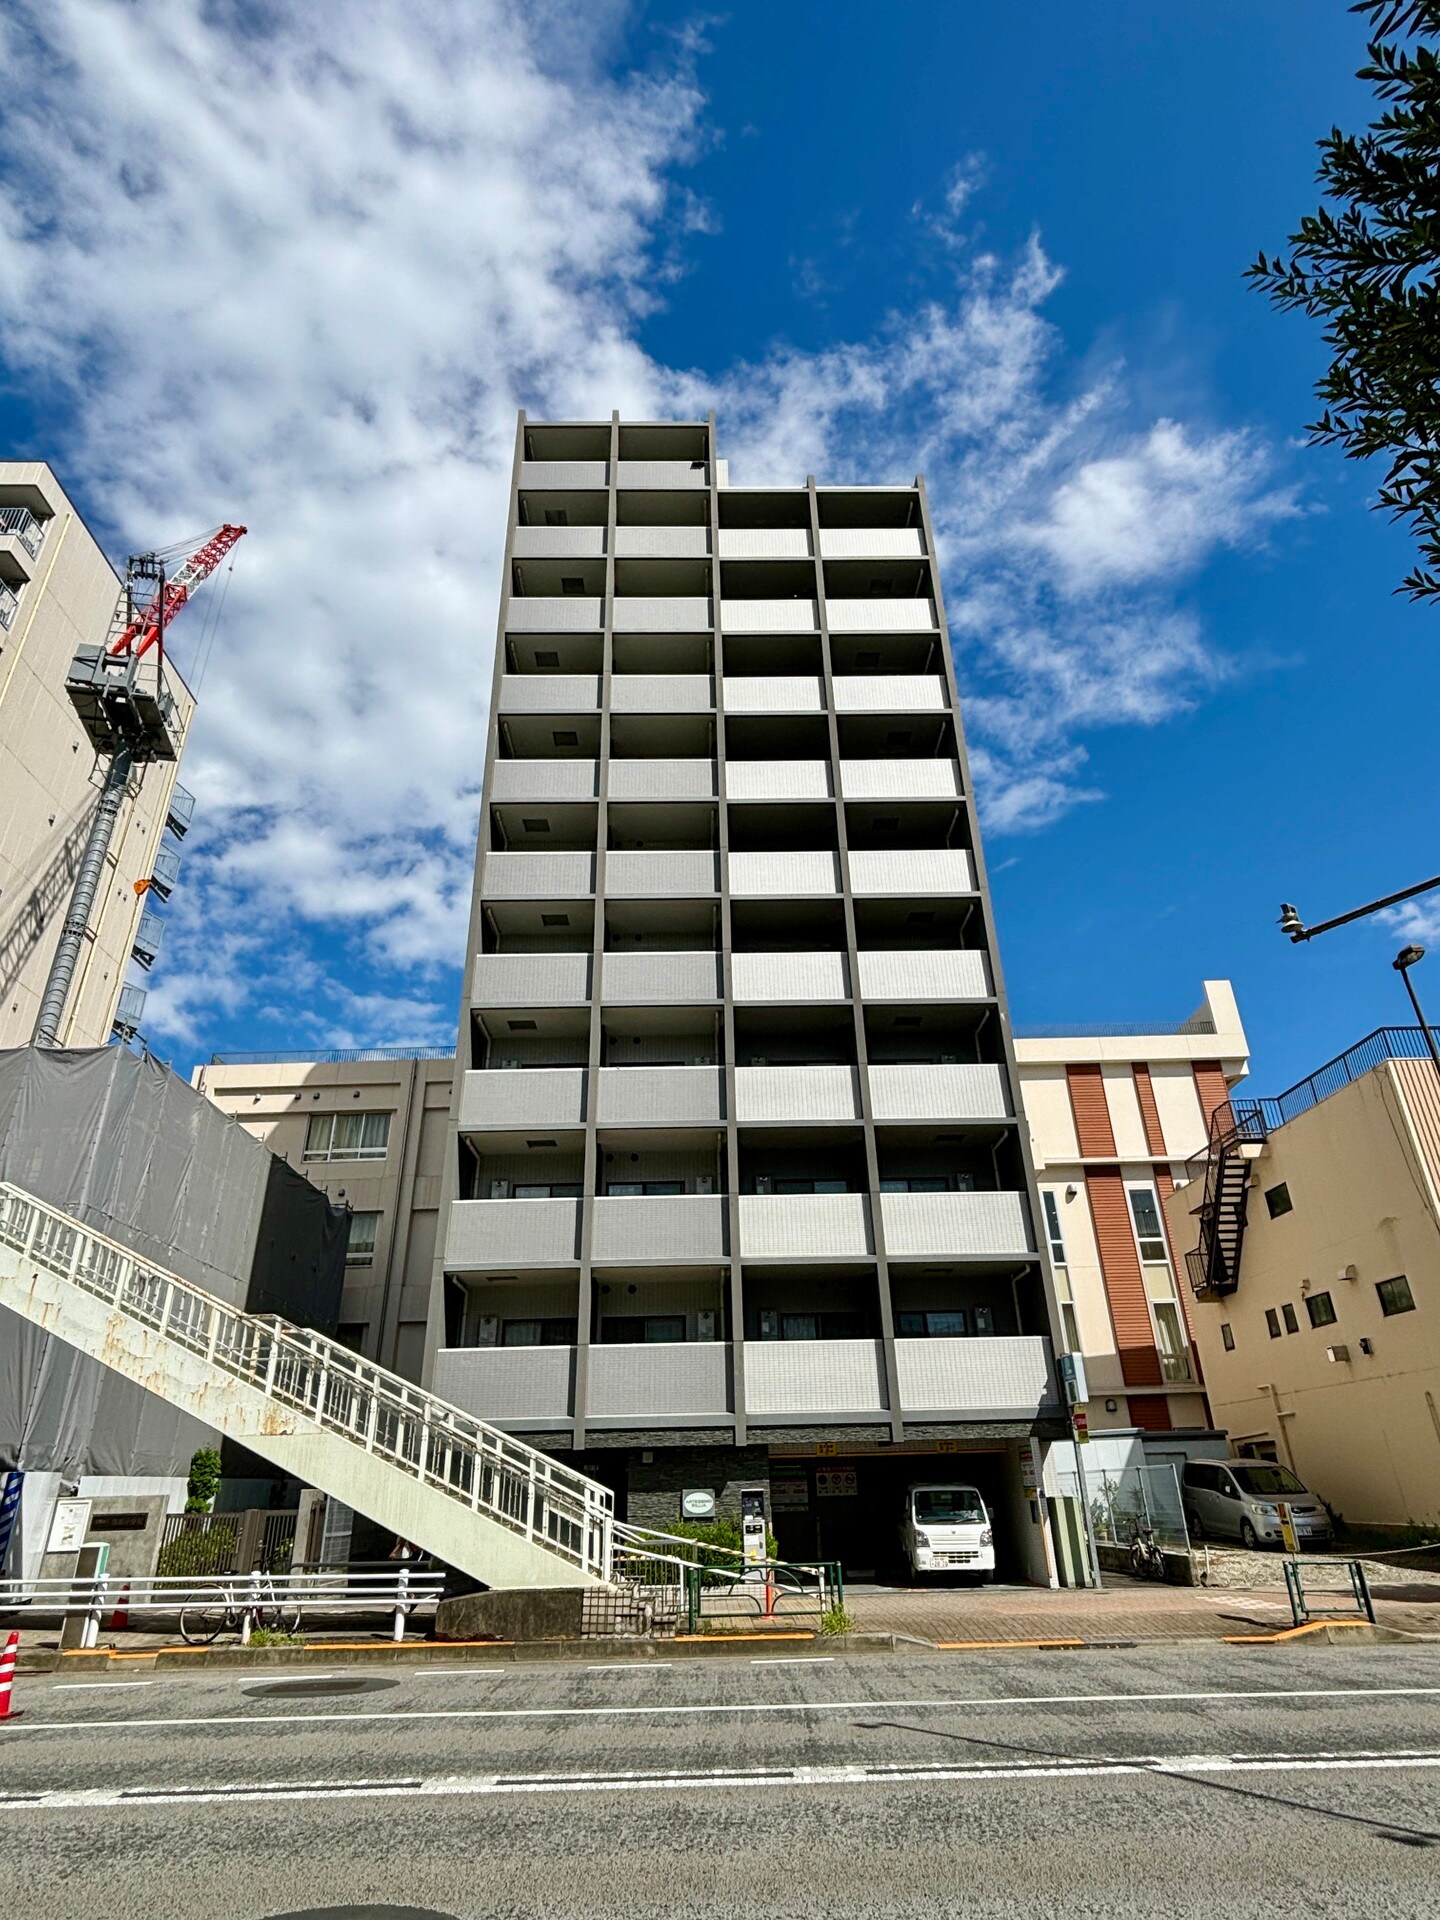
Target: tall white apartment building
x=58 y=593
x=737 y=1191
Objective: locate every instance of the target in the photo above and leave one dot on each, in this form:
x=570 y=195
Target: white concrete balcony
x=533 y=1097
x=549 y=692
x=797 y=1094
x=804 y=1226
x=564 y=476
x=808 y=872
x=931 y=1091
x=957 y=974
x=890 y=692
x=673 y=613
x=900 y=780
x=661 y=1097
x=794 y=1378
x=662 y=543
x=648 y=978
x=530 y=980
x=954 y=1225
x=494 y=1236
x=537 y=876
x=554 y=613
x=778 y=977
x=678 y=1380
x=544 y=780
x=658 y=1228
x=922 y=870
x=879 y=615
x=661 y=693
x=764 y=543
x=662 y=779
x=664 y=874
x=871 y=543
x=1010 y=1378
x=656 y=476
x=507 y=1384
x=559 y=543
x=774 y=693
x=768 y=616
x=777 y=779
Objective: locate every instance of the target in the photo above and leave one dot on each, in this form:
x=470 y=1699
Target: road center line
x=1009 y=1701
x=95 y=1686
x=444 y=1673
x=793 y=1660
x=633 y=1666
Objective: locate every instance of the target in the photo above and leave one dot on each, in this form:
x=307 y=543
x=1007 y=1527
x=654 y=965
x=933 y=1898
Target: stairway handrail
x=478 y=1465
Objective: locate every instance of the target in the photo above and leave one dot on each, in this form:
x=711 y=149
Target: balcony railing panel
x=549 y=692
x=537 y=876
x=544 y=780
x=665 y=1382
x=554 y=613
x=777 y=779
x=662 y=543
x=563 y=476
x=662 y=779
x=499 y=1235
x=998 y=1379
x=931 y=1091
x=768 y=616
x=823 y=1377
x=786 y=875
x=653 y=476
x=952 y=1225
x=506 y=1097
x=778 y=693
x=661 y=693
x=912 y=870
x=655 y=614
x=661 y=1096
x=530 y=980
x=890 y=692
x=508 y=1383
x=648 y=978
x=928 y=974
x=797 y=1094
x=9 y=607
x=764 y=543
x=666 y=873
x=794 y=1226
x=658 y=1228
x=879 y=615
x=871 y=543
x=559 y=543
x=805 y=977
x=900 y=779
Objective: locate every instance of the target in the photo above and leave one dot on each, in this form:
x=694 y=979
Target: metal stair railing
x=1214 y=1266
x=475 y=1464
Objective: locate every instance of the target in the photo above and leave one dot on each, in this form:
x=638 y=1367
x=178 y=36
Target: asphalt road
x=1208 y=1782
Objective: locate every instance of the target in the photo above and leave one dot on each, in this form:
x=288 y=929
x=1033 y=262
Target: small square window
x=1227 y=1336
x=547 y=660
x=1278 y=1200
x=565 y=737
x=535 y=826
x=1272 y=1323
x=556 y=517
x=572 y=583
x=1395 y=1296
x=554 y=919
x=1321 y=1309
x=1292 y=1325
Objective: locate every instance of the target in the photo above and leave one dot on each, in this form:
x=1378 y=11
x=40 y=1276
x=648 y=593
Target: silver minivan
x=1239 y=1500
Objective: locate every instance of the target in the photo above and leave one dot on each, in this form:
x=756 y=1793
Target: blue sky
x=1001 y=245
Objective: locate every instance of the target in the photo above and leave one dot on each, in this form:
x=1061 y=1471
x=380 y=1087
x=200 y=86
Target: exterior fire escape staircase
x=472 y=1496
x=1237 y=1133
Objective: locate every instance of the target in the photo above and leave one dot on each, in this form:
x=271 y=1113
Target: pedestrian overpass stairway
x=1237 y=1133
x=467 y=1493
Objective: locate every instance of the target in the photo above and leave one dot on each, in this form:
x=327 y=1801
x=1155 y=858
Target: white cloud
x=303 y=275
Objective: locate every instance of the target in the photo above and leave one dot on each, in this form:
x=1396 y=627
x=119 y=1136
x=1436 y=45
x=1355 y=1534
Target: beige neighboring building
x=1115 y=1113
x=58 y=593
x=369 y=1129
x=1316 y=1258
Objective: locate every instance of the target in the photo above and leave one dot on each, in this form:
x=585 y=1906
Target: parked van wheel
x=1248 y=1537
x=1196 y=1526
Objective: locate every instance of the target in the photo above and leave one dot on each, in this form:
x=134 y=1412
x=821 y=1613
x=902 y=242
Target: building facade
x=58 y=593
x=1114 y=1117
x=1318 y=1322
x=370 y=1130
x=737 y=1191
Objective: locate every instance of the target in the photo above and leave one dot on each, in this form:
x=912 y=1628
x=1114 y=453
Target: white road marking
x=755 y=1779
x=94 y=1686
x=28 y=1725
x=794 y=1660
x=444 y=1673
x=632 y=1666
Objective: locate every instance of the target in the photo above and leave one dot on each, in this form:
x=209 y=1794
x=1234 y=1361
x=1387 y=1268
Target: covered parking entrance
x=845 y=1501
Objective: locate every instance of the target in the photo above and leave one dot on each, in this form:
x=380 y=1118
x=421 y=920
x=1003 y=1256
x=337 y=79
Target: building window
x=360 y=1250
x=1070 y=1325
x=1149 y=1234
x=1272 y=1323
x=1292 y=1325
x=538 y=1333
x=1321 y=1309
x=1174 y=1348
x=1278 y=1200
x=1227 y=1336
x=634 y=1189
x=952 y=1324
x=1052 y=1228
x=347 y=1136
x=1395 y=1296
x=351 y=1334
x=643 y=1329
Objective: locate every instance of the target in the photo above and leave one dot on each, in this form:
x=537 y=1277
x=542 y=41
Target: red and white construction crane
x=148 y=628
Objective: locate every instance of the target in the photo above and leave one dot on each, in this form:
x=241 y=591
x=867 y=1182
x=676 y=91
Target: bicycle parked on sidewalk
x=204 y=1620
x=1147 y=1562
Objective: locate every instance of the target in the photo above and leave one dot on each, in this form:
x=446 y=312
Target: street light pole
x=1406 y=958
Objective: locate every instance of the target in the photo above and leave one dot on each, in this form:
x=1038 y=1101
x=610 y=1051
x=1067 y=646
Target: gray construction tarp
x=126 y=1146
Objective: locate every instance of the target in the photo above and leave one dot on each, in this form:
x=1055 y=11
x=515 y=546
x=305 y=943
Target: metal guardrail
x=9 y=606
x=1118 y=1029
x=332 y=1056
x=1385 y=1043
x=29 y=531
x=476 y=1465
x=1301 y=1610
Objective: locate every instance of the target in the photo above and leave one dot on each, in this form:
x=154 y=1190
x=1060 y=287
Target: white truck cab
x=946 y=1529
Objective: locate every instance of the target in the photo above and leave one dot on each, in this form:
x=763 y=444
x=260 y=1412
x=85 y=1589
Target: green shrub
x=198 y=1552
x=275 y=1637
x=837 y=1619
x=722 y=1535
x=204 y=1481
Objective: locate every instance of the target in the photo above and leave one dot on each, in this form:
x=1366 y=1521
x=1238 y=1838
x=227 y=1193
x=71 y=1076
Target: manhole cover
x=308 y=1690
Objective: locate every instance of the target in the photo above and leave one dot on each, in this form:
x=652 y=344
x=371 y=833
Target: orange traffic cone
x=120 y=1619
x=7 y=1677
